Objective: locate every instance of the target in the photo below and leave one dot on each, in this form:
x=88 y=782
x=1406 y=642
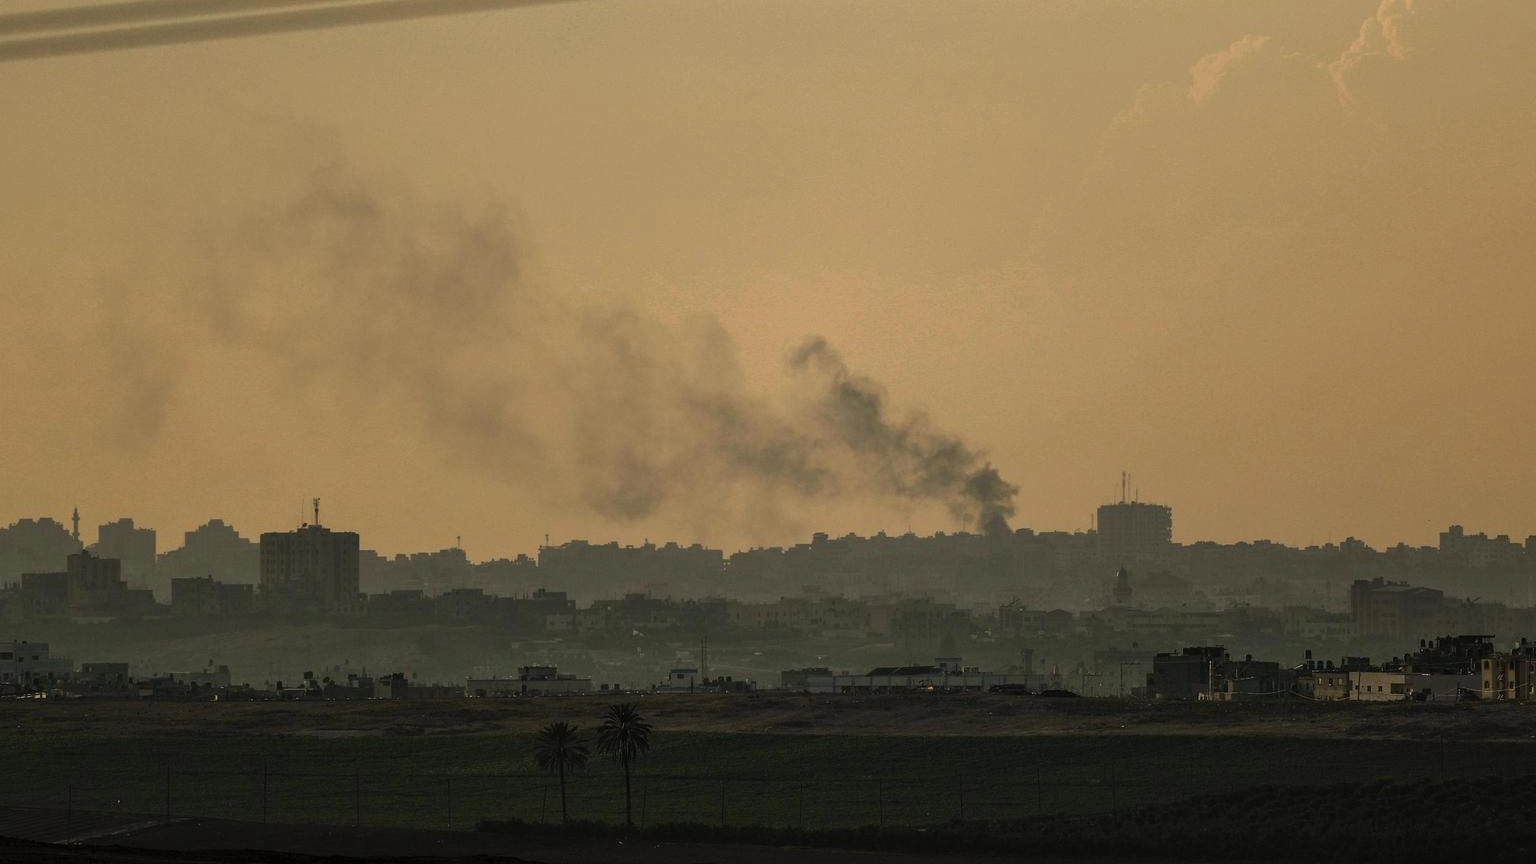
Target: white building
x=27 y=664
x=1402 y=686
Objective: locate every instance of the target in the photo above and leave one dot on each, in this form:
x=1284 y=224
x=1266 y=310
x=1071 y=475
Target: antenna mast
x=317 y=512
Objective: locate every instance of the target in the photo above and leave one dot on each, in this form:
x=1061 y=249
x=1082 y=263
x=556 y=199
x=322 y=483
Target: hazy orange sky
x=454 y=276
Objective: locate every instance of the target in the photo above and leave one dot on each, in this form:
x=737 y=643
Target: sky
x=734 y=273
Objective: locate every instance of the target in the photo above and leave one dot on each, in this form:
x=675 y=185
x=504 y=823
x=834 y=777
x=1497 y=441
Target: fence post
x=357 y=800
x=802 y=808
x=722 y=802
x=450 y=803
x=961 y=783
x=643 y=791
x=1039 y=793
x=167 y=791
x=543 y=802
x=1114 y=789
x=69 y=811
x=263 y=794
x=880 y=802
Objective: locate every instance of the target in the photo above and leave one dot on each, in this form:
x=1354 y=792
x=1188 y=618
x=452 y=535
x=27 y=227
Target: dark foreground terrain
x=774 y=777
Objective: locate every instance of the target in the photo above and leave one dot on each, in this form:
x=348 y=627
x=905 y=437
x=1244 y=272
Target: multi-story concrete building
x=1395 y=609
x=530 y=681
x=129 y=544
x=34 y=546
x=1509 y=675
x=1193 y=673
x=203 y=596
x=213 y=549
x=311 y=569
x=95 y=583
x=1134 y=530
x=27 y=665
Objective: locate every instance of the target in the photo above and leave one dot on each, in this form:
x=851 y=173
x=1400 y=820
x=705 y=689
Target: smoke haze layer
x=365 y=297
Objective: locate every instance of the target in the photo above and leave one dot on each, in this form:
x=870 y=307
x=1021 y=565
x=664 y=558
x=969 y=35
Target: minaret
x=76 y=520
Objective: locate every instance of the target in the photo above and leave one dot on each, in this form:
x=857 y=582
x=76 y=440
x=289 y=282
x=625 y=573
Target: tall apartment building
x=310 y=569
x=1130 y=530
x=133 y=546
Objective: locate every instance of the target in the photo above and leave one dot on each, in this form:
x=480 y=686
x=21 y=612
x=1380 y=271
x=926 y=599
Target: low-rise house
x=1400 y=685
x=1510 y=675
x=1191 y=674
x=947 y=674
x=28 y=666
x=530 y=681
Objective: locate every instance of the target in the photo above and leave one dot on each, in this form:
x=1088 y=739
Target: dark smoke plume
x=910 y=457
x=367 y=298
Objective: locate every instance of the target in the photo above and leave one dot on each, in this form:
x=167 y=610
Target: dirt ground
x=195 y=841
x=782 y=713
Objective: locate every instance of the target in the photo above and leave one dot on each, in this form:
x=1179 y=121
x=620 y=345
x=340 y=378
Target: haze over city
x=549 y=271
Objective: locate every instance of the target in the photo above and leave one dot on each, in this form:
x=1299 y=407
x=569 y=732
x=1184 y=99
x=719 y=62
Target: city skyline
x=88 y=529
x=1270 y=257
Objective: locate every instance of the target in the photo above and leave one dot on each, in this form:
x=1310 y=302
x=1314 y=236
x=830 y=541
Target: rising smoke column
x=909 y=457
x=359 y=294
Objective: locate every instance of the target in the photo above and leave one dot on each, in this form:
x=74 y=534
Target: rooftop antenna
x=458 y=541
x=317 y=512
x=76 y=520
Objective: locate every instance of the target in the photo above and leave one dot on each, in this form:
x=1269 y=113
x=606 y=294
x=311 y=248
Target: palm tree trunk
x=629 y=818
x=563 y=817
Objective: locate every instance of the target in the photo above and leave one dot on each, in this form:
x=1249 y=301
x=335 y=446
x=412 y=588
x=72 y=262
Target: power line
x=136 y=12
x=240 y=27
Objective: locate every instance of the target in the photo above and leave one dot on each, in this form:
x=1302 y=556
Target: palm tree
x=556 y=749
x=624 y=735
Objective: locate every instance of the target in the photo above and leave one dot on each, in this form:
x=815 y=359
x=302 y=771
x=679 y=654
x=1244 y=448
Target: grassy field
x=775 y=760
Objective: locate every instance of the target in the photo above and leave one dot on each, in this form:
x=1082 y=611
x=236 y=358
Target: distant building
x=34 y=546
x=95 y=583
x=204 y=597
x=1506 y=676
x=1321 y=681
x=1479 y=550
x=213 y=549
x=1122 y=593
x=1134 y=530
x=102 y=676
x=1394 y=609
x=945 y=674
x=1387 y=685
x=311 y=569
x=27 y=666
x=530 y=681
x=131 y=545
x=1250 y=680
x=609 y=569
x=1191 y=674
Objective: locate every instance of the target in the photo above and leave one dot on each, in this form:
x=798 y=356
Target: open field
x=943 y=715
x=796 y=761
